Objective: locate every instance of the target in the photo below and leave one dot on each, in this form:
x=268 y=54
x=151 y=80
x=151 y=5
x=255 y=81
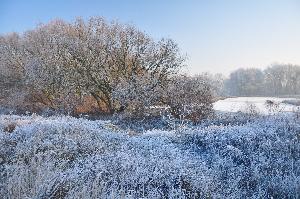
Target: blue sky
x=217 y=35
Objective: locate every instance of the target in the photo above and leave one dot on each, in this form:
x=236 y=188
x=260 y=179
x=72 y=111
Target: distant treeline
x=276 y=80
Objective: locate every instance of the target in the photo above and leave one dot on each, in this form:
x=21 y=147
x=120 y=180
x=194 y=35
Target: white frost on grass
x=65 y=157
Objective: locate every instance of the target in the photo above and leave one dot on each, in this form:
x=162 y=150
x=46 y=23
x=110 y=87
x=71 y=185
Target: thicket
x=65 y=157
x=98 y=66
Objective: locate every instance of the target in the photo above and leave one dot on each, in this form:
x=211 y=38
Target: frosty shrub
x=251 y=110
x=12 y=88
x=272 y=106
x=119 y=66
x=75 y=158
x=65 y=157
x=189 y=98
x=133 y=97
x=296 y=112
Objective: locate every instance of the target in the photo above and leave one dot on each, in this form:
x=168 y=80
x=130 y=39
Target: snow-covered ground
x=258 y=103
x=65 y=157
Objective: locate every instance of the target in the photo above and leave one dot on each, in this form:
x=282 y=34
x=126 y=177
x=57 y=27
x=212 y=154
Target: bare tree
x=119 y=66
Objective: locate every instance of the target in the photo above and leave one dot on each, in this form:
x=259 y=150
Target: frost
x=65 y=157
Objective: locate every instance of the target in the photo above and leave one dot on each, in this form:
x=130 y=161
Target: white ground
x=242 y=104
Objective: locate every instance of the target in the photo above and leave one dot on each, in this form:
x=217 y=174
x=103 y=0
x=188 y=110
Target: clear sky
x=217 y=35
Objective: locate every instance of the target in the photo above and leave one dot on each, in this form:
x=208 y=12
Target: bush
x=251 y=110
x=66 y=157
x=272 y=106
x=189 y=98
x=119 y=66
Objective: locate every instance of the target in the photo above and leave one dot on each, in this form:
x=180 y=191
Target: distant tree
x=245 y=82
x=216 y=83
x=276 y=80
x=294 y=79
x=282 y=79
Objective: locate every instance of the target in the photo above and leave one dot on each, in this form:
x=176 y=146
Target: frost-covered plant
x=296 y=112
x=133 y=97
x=122 y=68
x=64 y=157
x=97 y=59
x=63 y=62
x=251 y=110
x=254 y=160
x=272 y=106
x=189 y=98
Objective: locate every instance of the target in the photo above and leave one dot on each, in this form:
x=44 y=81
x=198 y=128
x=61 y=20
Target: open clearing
x=242 y=104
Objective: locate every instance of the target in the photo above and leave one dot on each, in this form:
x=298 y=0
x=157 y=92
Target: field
x=66 y=157
x=259 y=103
x=99 y=100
